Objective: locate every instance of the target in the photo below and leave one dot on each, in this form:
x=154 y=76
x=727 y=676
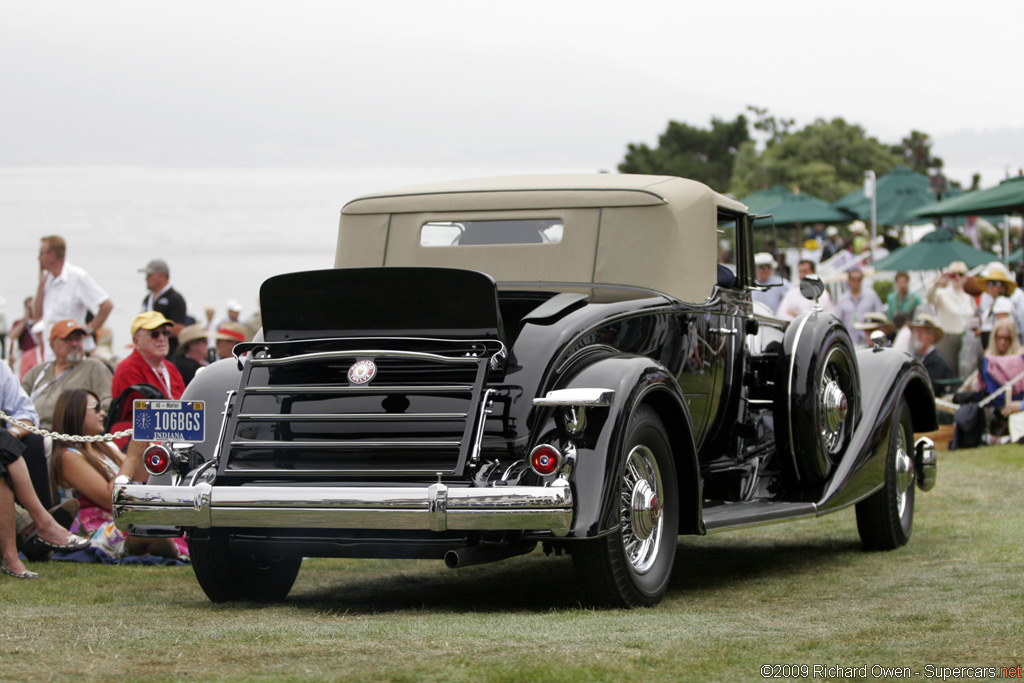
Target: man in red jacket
x=147 y=364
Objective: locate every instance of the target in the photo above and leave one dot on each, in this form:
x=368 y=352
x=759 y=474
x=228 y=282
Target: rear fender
x=635 y=380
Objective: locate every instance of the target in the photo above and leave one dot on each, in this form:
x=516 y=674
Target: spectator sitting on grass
x=87 y=470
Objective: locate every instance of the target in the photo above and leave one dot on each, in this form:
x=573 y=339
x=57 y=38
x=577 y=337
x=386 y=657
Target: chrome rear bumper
x=436 y=507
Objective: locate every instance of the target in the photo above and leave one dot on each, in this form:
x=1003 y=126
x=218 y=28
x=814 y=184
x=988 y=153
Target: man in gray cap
x=162 y=298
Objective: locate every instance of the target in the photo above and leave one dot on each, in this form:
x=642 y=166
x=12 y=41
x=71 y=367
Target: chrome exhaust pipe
x=481 y=554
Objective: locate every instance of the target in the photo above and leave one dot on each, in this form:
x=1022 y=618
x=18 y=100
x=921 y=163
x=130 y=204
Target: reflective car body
x=559 y=359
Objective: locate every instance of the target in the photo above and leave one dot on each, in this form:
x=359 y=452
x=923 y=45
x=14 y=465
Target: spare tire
x=823 y=393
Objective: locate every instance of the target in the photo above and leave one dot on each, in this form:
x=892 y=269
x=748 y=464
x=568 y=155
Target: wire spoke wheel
x=631 y=565
x=833 y=404
x=640 y=510
x=886 y=518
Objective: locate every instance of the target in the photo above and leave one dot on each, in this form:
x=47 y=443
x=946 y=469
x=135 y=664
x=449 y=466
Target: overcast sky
x=545 y=85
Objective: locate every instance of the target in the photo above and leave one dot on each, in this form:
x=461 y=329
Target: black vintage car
x=556 y=359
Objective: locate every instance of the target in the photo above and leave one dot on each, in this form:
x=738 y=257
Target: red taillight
x=545 y=459
x=156 y=459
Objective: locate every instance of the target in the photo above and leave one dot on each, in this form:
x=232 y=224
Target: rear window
x=463 y=233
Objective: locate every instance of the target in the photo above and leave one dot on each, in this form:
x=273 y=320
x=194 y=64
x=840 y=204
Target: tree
x=826 y=159
x=915 y=151
x=683 y=150
x=775 y=129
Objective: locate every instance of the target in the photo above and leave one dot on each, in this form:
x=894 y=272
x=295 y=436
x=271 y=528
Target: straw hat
x=873 y=320
x=230 y=331
x=926 y=321
x=997 y=272
x=190 y=334
x=958 y=267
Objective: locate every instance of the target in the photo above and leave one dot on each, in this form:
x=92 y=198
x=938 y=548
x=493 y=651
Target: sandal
x=23 y=575
x=73 y=543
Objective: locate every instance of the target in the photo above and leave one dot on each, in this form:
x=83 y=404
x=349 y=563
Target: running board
x=734 y=515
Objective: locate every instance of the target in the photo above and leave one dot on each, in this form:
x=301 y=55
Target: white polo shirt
x=71 y=295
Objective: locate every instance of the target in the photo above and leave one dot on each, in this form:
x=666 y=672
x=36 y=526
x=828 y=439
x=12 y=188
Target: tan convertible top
x=658 y=232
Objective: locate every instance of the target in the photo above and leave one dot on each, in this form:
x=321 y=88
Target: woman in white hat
x=954 y=309
x=997 y=284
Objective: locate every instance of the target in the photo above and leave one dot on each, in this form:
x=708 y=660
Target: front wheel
x=226 y=577
x=631 y=567
x=886 y=518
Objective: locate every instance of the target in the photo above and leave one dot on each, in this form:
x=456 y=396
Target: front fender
x=635 y=380
x=887 y=375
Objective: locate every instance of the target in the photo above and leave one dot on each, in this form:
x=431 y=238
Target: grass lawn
x=801 y=593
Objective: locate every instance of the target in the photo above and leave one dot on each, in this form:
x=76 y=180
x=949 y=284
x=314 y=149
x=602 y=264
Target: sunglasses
x=160 y=332
x=98 y=407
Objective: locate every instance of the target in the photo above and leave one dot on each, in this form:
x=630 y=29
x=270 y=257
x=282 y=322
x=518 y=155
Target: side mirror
x=812 y=287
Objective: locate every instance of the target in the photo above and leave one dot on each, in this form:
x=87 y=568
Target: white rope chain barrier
x=64 y=437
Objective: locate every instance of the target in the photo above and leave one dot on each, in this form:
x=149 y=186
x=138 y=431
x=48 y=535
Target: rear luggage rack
x=300 y=411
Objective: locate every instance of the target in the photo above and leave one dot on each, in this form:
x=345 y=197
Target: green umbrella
x=899 y=192
x=763 y=201
x=1006 y=197
x=802 y=208
x=934 y=251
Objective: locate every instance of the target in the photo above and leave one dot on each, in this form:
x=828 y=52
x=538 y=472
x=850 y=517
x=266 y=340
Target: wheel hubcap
x=833 y=403
x=641 y=509
x=905 y=474
x=646 y=510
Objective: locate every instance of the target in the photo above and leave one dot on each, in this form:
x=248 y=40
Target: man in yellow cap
x=147 y=364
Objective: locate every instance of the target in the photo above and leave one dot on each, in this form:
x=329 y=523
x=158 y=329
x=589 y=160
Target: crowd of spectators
x=54 y=487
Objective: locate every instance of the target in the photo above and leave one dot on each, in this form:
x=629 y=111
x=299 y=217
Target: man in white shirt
x=66 y=291
x=794 y=303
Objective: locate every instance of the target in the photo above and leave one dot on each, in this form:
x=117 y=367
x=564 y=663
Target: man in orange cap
x=147 y=364
x=70 y=369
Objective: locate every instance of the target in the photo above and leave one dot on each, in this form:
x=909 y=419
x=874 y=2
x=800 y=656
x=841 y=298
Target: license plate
x=168 y=420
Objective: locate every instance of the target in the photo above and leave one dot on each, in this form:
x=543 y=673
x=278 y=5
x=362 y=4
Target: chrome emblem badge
x=362 y=372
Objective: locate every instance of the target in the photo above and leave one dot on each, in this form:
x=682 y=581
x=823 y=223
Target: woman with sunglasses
x=147 y=364
x=87 y=471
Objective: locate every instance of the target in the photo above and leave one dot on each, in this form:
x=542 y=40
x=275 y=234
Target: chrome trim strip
x=789 y=389
x=223 y=425
x=342 y=469
x=436 y=507
x=376 y=388
x=582 y=396
x=321 y=417
x=376 y=353
x=478 y=437
x=341 y=444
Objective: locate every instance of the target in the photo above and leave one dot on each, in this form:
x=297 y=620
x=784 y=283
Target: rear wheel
x=226 y=577
x=631 y=567
x=886 y=518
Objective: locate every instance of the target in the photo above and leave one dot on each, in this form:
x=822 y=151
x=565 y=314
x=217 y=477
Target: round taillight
x=156 y=459
x=544 y=460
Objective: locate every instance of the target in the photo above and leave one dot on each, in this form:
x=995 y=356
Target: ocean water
x=221 y=231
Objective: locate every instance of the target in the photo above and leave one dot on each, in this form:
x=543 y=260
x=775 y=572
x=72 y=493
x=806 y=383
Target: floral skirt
x=98 y=525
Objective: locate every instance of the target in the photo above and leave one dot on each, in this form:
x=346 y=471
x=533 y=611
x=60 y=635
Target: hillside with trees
x=825 y=158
